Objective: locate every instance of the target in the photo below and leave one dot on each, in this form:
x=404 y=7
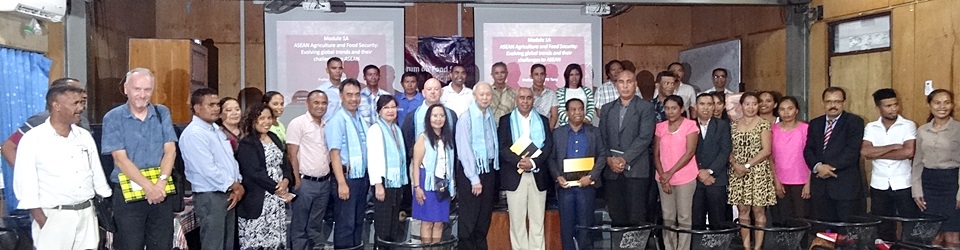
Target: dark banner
x=437 y=55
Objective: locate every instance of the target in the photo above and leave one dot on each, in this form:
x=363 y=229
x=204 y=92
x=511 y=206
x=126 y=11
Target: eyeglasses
x=719 y=76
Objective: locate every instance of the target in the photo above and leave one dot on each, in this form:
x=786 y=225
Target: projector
x=317 y=5
x=596 y=9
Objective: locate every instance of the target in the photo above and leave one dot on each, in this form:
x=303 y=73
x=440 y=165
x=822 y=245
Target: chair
x=448 y=243
x=860 y=232
x=920 y=231
x=788 y=237
x=634 y=237
x=15 y=233
x=714 y=238
x=916 y=246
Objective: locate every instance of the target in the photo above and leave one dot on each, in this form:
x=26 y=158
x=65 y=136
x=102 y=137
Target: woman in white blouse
x=386 y=168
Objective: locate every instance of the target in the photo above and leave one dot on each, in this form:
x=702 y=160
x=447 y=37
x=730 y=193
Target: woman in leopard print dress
x=751 y=186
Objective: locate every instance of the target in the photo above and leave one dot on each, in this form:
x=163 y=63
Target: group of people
x=432 y=146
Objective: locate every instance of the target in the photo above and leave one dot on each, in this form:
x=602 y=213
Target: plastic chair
x=861 y=232
x=633 y=237
x=916 y=246
x=787 y=236
x=448 y=243
x=919 y=231
x=714 y=238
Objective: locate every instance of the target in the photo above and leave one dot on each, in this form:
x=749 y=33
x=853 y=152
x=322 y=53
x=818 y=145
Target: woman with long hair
x=720 y=104
x=935 y=167
x=574 y=88
x=791 y=173
x=266 y=178
x=274 y=101
x=431 y=172
x=751 y=186
x=230 y=120
x=674 y=147
x=386 y=169
x=768 y=106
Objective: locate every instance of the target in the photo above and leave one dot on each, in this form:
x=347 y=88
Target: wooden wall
x=110 y=26
x=651 y=37
x=924 y=47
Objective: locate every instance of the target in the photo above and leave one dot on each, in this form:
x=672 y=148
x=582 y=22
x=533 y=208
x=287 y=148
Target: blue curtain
x=24 y=77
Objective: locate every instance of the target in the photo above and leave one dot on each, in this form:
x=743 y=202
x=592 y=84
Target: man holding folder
x=575 y=167
x=524 y=174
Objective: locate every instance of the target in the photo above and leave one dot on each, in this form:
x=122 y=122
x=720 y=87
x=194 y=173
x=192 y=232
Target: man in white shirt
x=719 y=78
x=457 y=96
x=890 y=142
x=58 y=173
x=684 y=90
x=332 y=88
x=370 y=94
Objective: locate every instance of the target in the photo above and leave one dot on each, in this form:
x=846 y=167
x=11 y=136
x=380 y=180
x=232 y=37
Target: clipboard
x=575 y=168
x=524 y=147
x=133 y=192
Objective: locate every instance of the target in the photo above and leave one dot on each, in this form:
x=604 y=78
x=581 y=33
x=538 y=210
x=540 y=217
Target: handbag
x=102 y=205
x=442 y=188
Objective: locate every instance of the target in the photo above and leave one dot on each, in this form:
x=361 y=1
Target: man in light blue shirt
x=212 y=170
x=370 y=95
x=346 y=139
x=410 y=98
x=332 y=87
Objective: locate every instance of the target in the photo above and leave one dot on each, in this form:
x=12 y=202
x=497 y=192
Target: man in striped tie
x=833 y=155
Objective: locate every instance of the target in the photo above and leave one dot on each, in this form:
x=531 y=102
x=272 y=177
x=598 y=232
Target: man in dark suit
x=525 y=178
x=575 y=140
x=833 y=154
x=713 y=153
x=626 y=127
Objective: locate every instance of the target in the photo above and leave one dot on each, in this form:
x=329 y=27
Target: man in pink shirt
x=307 y=151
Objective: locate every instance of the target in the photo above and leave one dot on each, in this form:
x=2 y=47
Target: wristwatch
x=746 y=165
x=164 y=177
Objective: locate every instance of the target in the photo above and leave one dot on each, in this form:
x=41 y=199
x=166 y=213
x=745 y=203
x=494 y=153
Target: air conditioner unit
x=50 y=10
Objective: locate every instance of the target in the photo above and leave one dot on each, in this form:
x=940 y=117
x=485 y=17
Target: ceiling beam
x=580 y=2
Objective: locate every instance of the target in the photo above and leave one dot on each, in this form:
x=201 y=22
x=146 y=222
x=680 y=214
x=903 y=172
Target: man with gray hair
x=140 y=137
x=58 y=175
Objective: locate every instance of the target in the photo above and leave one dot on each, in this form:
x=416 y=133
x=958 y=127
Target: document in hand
x=576 y=168
x=524 y=147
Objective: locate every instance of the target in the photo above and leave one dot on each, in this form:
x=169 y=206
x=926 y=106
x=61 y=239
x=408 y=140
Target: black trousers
x=627 y=200
x=710 y=200
x=140 y=224
x=475 y=212
x=791 y=206
x=897 y=203
x=829 y=209
x=386 y=214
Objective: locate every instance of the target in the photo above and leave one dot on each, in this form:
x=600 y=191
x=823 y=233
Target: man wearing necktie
x=833 y=155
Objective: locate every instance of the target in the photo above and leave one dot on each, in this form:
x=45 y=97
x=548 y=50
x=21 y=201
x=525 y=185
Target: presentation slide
x=298 y=44
x=521 y=45
x=305 y=46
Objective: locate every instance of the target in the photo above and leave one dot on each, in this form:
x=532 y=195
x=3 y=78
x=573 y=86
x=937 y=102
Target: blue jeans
x=576 y=209
x=308 y=209
x=349 y=214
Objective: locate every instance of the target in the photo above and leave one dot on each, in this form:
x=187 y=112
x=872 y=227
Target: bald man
x=476 y=173
x=413 y=123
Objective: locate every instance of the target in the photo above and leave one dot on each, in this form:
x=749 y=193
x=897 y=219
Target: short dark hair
x=566 y=74
x=834 y=89
x=197 y=96
x=63 y=81
x=882 y=94
x=248 y=126
x=410 y=74
x=55 y=92
x=334 y=59
x=538 y=66
x=384 y=100
x=790 y=99
x=349 y=81
x=314 y=92
x=705 y=94
x=567 y=104
x=665 y=73
x=455 y=65
x=674 y=63
x=371 y=66
x=725 y=72
x=498 y=64
x=269 y=96
x=674 y=98
x=606 y=67
x=749 y=94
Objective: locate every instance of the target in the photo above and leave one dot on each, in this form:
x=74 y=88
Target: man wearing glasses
x=720 y=78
